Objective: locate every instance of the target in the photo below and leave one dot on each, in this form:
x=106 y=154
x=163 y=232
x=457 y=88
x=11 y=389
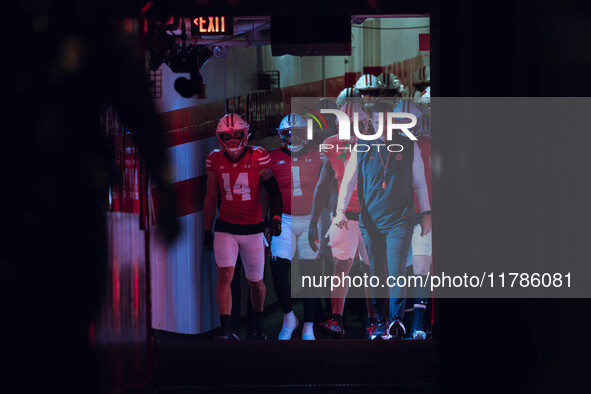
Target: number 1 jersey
x=297 y=177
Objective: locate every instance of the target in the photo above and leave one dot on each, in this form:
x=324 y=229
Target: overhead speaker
x=311 y=35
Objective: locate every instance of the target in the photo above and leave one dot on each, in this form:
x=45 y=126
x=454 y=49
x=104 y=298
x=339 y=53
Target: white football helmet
x=423 y=75
x=426 y=95
x=389 y=81
x=363 y=118
x=368 y=85
x=424 y=101
x=346 y=94
x=232 y=133
x=292 y=132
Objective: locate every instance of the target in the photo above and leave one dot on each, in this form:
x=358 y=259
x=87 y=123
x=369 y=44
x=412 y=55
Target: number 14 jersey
x=239 y=184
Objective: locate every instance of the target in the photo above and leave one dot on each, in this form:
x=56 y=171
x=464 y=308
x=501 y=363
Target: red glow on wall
x=136 y=291
x=116 y=294
x=92 y=334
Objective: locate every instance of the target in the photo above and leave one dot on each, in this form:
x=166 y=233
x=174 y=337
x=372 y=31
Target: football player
x=296 y=165
x=369 y=86
x=390 y=85
x=323 y=308
x=346 y=244
x=421 y=244
x=345 y=95
x=237 y=171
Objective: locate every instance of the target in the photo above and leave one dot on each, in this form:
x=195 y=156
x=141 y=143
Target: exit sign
x=212 y=25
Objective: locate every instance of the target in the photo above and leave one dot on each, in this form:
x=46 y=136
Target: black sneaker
x=222 y=335
x=370 y=330
x=257 y=335
x=333 y=328
x=380 y=331
x=396 y=329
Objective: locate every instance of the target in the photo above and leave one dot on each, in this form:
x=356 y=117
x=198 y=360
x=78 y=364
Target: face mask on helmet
x=369 y=86
x=370 y=93
x=389 y=81
x=390 y=85
x=232 y=133
x=293 y=132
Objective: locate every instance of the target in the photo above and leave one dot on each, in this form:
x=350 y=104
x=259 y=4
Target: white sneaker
x=419 y=334
x=308 y=332
x=397 y=329
x=290 y=323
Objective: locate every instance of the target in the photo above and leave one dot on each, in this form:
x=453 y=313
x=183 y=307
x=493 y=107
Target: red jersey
x=424 y=144
x=338 y=160
x=239 y=184
x=297 y=177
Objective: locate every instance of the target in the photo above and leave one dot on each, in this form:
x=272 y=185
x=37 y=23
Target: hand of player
x=208 y=240
x=340 y=220
x=313 y=236
x=268 y=236
x=275 y=227
x=425 y=224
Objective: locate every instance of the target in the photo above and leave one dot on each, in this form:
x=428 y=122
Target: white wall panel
x=183 y=281
x=188 y=160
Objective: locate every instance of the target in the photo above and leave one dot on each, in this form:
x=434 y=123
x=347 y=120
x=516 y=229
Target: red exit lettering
x=211 y=24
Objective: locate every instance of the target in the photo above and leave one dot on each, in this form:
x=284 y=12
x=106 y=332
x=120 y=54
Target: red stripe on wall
x=190 y=195
x=350 y=80
x=192 y=123
x=334 y=86
x=377 y=70
x=424 y=42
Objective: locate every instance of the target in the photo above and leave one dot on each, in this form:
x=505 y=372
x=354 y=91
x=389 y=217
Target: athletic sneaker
x=235 y=335
x=396 y=329
x=333 y=329
x=308 y=332
x=257 y=335
x=370 y=330
x=418 y=334
x=290 y=323
x=222 y=335
x=379 y=332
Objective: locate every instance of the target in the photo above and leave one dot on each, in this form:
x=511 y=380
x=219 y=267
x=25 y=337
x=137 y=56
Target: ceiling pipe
x=211 y=41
